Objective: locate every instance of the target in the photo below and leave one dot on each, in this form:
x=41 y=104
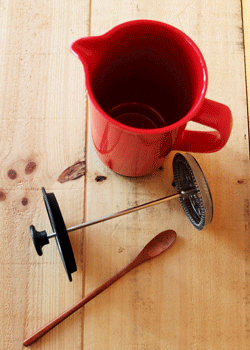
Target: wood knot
x=241 y=181
x=30 y=167
x=12 y=174
x=73 y=172
x=2 y=196
x=100 y=178
x=25 y=201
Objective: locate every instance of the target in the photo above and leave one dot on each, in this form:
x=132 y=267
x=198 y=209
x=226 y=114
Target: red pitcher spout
x=88 y=49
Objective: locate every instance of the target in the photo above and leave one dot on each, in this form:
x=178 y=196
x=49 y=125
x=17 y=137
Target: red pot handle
x=215 y=115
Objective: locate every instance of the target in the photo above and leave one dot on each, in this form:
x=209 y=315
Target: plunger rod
x=189 y=192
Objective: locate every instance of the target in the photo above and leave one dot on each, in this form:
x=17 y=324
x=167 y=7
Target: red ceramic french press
x=145 y=81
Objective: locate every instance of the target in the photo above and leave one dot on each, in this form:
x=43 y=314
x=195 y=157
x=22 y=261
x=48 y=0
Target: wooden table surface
x=196 y=295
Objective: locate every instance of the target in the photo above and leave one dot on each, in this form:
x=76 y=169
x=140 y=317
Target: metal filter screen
x=198 y=206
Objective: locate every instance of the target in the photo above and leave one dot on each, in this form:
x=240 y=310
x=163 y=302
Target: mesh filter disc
x=188 y=175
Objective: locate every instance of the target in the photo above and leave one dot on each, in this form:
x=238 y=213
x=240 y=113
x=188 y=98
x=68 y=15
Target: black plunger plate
x=58 y=227
x=198 y=206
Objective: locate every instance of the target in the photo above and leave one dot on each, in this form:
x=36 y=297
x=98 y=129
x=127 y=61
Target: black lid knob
x=40 y=238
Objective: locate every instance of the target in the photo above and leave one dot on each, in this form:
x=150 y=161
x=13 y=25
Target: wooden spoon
x=156 y=246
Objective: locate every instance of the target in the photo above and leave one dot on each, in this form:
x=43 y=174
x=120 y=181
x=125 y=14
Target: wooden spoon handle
x=155 y=247
x=45 y=329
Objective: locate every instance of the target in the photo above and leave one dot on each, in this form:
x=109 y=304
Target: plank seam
x=245 y=65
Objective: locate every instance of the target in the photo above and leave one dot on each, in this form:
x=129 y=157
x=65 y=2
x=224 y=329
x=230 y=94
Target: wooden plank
x=42 y=123
x=246 y=27
x=195 y=296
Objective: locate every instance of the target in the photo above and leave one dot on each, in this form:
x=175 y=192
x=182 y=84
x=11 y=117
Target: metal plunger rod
x=128 y=211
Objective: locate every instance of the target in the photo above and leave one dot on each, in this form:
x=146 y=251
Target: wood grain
x=155 y=247
x=195 y=297
x=42 y=123
x=246 y=28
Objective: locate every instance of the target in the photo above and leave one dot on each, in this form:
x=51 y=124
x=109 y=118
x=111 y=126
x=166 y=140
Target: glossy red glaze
x=155 y=67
